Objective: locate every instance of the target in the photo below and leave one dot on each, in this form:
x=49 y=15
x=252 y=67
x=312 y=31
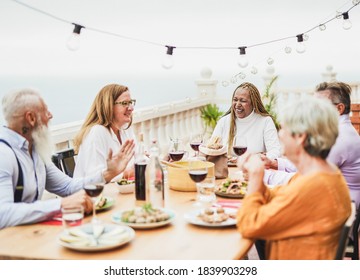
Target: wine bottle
x=140 y=166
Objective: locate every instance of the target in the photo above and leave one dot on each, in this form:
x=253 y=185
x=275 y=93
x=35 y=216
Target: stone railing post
x=329 y=75
x=206 y=86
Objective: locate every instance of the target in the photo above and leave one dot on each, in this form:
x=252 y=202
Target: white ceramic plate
x=116 y=218
x=192 y=218
x=212 y=152
x=113 y=236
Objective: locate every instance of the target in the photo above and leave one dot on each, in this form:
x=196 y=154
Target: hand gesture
x=117 y=163
x=269 y=163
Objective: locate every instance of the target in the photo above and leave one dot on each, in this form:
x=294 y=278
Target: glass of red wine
x=94 y=190
x=195 y=141
x=197 y=172
x=239 y=145
x=176 y=151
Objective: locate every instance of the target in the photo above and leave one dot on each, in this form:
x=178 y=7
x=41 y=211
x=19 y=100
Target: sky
x=33 y=45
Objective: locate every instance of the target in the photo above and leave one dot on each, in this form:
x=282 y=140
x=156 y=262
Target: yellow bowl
x=179 y=178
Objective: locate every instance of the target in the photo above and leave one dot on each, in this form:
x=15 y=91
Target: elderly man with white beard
x=26 y=169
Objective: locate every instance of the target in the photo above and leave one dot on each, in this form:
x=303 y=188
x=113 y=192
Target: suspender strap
x=20 y=182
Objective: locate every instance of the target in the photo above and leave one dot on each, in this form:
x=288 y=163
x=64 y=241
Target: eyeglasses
x=131 y=102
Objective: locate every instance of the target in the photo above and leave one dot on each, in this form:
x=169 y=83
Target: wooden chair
x=64 y=160
x=344 y=235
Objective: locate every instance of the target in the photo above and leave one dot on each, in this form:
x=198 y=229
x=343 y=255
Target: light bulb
x=300 y=48
x=254 y=70
x=168 y=61
x=346 y=23
x=242 y=75
x=288 y=49
x=225 y=83
x=243 y=61
x=270 y=61
x=73 y=42
x=322 y=27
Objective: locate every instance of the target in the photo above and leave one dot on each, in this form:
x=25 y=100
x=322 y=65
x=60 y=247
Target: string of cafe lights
x=73 y=42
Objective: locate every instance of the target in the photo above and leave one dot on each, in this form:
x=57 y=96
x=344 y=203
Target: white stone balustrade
x=178 y=119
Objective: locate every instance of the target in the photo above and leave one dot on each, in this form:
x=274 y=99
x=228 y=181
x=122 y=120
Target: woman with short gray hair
x=302 y=219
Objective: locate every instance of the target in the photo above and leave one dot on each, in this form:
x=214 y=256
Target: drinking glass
x=206 y=190
x=72 y=216
x=94 y=190
x=176 y=151
x=239 y=145
x=197 y=173
x=195 y=141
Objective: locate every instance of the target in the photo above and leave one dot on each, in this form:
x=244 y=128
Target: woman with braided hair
x=248 y=118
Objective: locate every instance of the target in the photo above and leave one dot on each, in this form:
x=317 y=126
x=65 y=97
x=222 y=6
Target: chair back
x=65 y=161
x=344 y=235
x=354 y=246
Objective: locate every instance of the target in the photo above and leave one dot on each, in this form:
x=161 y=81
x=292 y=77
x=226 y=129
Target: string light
x=168 y=61
x=346 y=23
x=254 y=70
x=243 y=61
x=300 y=48
x=288 y=49
x=300 y=38
x=73 y=42
x=270 y=61
x=322 y=27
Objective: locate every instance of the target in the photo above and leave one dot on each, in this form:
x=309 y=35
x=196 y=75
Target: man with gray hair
x=26 y=169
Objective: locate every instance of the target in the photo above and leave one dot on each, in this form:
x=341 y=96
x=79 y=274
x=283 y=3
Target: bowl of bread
x=214 y=147
x=179 y=178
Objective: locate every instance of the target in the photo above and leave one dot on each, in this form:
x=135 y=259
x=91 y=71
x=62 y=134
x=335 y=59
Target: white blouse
x=94 y=150
x=261 y=134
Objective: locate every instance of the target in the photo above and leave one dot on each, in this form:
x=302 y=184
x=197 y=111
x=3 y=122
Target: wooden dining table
x=177 y=240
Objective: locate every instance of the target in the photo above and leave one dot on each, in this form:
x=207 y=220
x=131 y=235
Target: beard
x=43 y=142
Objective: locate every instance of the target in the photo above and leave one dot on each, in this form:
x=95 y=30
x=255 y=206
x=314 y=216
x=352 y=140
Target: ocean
x=69 y=98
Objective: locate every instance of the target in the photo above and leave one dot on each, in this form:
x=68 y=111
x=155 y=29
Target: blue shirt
x=37 y=178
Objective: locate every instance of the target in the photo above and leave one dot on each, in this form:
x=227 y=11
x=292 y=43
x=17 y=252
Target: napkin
x=55 y=221
x=228 y=204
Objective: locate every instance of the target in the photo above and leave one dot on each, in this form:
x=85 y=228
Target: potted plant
x=210 y=114
x=269 y=98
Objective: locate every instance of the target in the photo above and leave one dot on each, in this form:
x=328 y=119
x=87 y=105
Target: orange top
x=300 y=220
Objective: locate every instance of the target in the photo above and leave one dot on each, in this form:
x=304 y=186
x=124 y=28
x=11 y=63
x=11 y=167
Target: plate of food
x=212 y=217
x=213 y=147
x=89 y=237
x=104 y=203
x=126 y=186
x=232 y=188
x=144 y=217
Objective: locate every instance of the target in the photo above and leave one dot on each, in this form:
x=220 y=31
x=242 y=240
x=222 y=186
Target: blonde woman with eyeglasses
x=107 y=126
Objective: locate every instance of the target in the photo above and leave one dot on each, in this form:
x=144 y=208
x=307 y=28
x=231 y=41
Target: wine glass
x=197 y=173
x=176 y=151
x=239 y=145
x=94 y=190
x=195 y=141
